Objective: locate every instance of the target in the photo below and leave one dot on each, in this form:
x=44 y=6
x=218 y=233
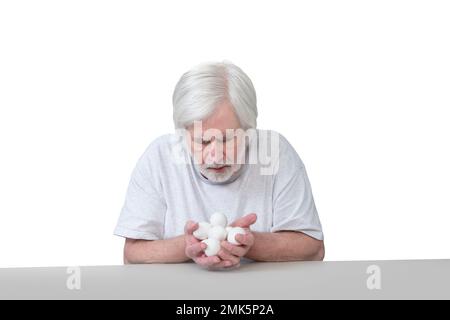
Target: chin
x=222 y=176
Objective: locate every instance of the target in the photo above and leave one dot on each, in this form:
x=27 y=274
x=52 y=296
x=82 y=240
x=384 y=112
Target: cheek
x=231 y=152
x=198 y=155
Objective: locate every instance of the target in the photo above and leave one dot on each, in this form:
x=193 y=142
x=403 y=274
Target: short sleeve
x=143 y=213
x=293 y=203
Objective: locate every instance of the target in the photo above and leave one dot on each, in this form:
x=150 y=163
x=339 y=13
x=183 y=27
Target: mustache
x=216 y=166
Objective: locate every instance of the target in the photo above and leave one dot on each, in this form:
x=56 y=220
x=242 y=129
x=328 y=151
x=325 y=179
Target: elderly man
x=218 y=161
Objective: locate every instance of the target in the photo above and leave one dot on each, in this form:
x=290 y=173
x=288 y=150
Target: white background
x=359 y=88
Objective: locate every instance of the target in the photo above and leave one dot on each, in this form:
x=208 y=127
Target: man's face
x=217 y=144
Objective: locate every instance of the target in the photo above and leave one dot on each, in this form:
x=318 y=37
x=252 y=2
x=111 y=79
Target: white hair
x=201 y=89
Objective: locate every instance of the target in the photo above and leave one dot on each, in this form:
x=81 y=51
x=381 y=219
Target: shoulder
x=159 y=142
x=157 y=153
x=272 y=136
x=155 y=162
x=282 y=154
x=162 y=146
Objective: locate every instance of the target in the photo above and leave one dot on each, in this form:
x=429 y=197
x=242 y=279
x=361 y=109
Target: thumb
x=245 y=221
x=190 y=227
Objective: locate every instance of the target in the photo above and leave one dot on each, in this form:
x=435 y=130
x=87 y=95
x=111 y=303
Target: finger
x=239 y=251
x=194 y=250
x=190 y=227
x=245 y=239
x=224 y=265
x=245 y=221
x=207 y=261
x=225 y=255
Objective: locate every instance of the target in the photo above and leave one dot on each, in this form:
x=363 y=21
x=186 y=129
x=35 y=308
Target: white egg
x=202 y=232
x=232 y=234
x=217 y=232
x=212 y=247
x=218 y=219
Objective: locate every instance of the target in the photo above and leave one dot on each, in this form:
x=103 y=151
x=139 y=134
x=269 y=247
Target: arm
x=285 y=246
x=277 y=246
x=175 y=250
x=155 y=251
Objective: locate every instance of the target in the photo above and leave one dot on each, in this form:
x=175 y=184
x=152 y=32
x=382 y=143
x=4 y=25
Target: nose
x=215 y=153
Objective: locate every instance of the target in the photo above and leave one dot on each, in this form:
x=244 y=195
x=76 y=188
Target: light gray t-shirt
x=166 y=190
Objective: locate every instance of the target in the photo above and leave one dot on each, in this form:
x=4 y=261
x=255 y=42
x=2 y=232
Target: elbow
x=126 y=259
x=319 y=252
x=128 y=252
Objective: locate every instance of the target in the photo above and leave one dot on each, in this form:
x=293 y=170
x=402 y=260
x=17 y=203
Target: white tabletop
x=416 y=279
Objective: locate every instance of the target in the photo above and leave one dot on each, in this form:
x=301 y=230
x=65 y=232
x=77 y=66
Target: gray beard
x=222 y=177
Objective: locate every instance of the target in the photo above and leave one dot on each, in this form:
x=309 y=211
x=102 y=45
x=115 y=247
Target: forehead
x=223 y=118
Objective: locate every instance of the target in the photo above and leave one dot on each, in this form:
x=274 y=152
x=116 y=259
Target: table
x=414 y=279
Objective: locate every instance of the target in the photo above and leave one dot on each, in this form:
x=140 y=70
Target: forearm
x=285 y=246
x=156 y=251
